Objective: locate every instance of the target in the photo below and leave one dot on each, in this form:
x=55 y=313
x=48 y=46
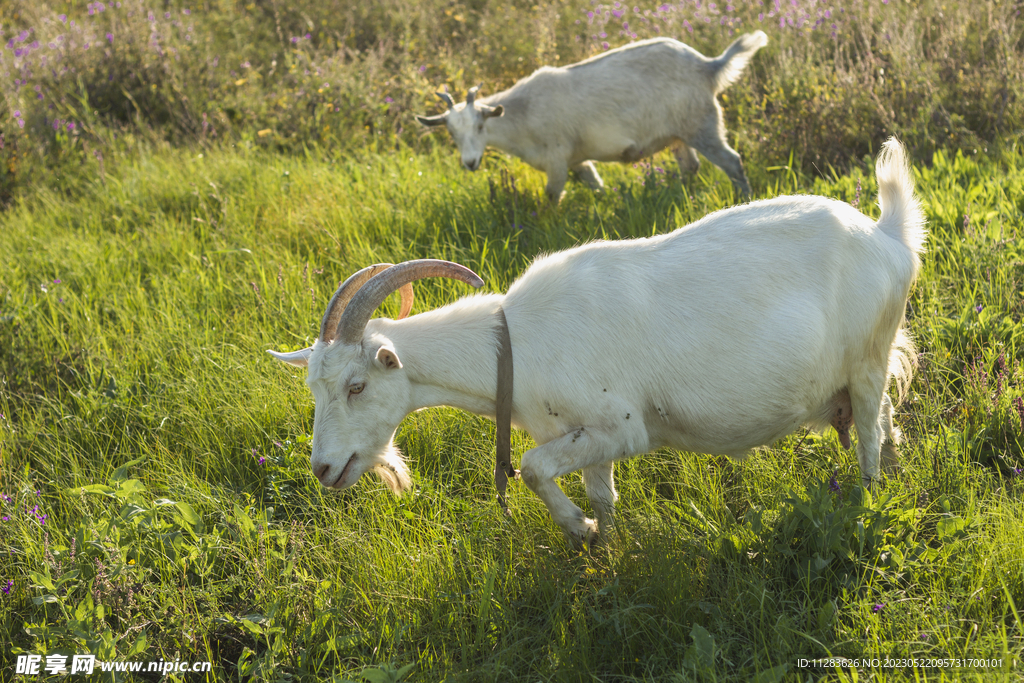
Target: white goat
x=721 y=336
x=622 y=105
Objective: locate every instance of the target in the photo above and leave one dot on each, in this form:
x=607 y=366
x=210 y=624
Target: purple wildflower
x=262 y=460
x=246 y=64
x=295 y=39
x=7 y=588
x=186 y=12
x=278 y=444
x=833 y=484
x=878 y=607
x=110 y=38
x=388 y=100
x=978 y=308
x=71 y=125
x=63 y=18
x=423 y=69
x=307 y=36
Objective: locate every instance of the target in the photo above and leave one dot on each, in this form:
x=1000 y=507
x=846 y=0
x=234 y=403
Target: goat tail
x=728 y=66
x=902 y=217
x=902 y=362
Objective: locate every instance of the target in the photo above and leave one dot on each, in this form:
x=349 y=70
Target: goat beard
x=391 y=467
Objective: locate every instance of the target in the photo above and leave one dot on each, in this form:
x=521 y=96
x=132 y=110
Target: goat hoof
x=584 y=537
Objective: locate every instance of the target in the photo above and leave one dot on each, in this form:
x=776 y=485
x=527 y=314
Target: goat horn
x=471 y=95
x=372 y=294
x=339 y=302
x=446 y=98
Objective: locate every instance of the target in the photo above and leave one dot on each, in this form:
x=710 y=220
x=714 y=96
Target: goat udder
x=842 y=418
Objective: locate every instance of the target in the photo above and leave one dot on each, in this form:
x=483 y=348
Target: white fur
x=723 y=335
x=623 y=105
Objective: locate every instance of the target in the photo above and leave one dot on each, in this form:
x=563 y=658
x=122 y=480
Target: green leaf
x=102 y=489
x=46 y=599
x=188 y=513
x=704 y=644
x=137 y=647
x=129 y=488
x=772 y=675
x=405 y=670
x=825 y=616
x=949 y=528
x=251 y=627
x=243 y=519
x=121 y=473
x=379 y=675
x=43 y=580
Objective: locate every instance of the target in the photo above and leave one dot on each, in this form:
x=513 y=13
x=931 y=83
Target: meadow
x=170 y=214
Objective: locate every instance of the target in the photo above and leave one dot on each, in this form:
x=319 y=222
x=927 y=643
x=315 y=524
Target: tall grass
x=79 y=84
x=158 y=500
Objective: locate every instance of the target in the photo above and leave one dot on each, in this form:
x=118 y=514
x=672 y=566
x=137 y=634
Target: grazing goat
x=721 y=336
x=623 y=105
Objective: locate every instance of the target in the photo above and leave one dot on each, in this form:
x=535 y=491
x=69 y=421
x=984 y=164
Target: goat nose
x=320 y=471
x=472 y=164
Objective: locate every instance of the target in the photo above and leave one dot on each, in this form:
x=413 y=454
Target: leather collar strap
x=503 y=470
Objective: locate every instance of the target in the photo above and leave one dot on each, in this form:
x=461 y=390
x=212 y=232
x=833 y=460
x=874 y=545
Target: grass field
x=183 y=186
x=158 y=500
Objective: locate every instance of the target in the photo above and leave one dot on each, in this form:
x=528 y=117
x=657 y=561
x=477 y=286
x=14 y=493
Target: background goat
x=721 y=336
x=623 y=105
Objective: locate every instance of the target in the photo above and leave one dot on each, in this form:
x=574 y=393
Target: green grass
x=137 y=401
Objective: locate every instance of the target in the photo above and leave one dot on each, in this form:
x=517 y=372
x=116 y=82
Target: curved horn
x=348 y=289
x=371 y=295
x=446 y=98
x=471 y=95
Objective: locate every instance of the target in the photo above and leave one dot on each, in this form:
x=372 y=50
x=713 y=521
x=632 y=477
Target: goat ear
x=493 y=112
x=387 y=357
x=432 y=121
x=299 y=359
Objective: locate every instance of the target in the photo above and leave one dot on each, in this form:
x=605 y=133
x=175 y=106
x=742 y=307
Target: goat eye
x=356 y=388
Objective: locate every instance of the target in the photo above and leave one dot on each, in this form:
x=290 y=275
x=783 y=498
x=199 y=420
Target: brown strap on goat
x=503 y=470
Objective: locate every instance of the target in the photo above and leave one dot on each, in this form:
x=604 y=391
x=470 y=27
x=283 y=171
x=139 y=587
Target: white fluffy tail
x=902 y=218
x=726 y=68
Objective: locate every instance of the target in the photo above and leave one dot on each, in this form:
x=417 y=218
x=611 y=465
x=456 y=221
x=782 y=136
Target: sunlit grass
x=134 y=320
